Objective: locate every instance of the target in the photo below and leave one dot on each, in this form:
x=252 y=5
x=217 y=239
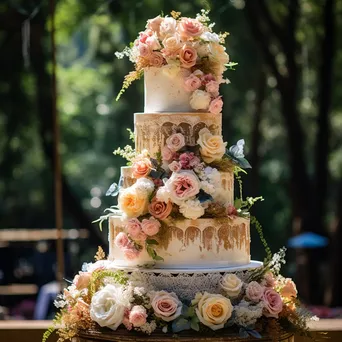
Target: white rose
x=213 y=310
x=167 y=27
x=144 y=185
x=163 y=194
x=200 y=99
x=231 y=285
x=107 y=307
x=212 y=146
x=210 y=37
x=191 y=209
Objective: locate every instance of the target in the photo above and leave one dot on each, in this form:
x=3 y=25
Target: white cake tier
x=227 y=179
x=152 y=130
x=201 y=243
x=164 y=93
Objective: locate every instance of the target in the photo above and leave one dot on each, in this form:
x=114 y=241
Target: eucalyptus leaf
x=158 y=258
x=180 y=324
x=113 y=190
x=194 y=325
x=238 y=203
x=152 y=242
x=254 y=333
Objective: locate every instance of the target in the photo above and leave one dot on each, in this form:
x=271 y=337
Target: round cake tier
x=165 y=92
x=183 y=243
x=152 y=130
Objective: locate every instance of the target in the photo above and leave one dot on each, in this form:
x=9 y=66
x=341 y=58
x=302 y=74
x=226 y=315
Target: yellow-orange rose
x=213 y=310
x=212 y=147
x=133 y=202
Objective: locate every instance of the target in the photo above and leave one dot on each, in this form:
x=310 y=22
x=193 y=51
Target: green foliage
x=128 y=152
x=57 y=320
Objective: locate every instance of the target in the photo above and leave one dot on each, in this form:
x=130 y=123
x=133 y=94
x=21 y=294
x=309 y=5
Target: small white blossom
x=148 y=328
x=246 y=314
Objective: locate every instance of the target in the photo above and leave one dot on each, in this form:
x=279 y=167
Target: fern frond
x=57 y=320
x=100 y=254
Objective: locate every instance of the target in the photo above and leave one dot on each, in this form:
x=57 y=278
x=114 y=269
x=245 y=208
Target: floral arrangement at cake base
x=257 y=303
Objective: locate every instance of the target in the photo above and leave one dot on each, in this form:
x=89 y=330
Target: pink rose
x=131 y=253
x=144 y=35
x=82 y=280
x=231 y=210
x=269 y=279
x=254 y=291
x=154 y=24
x=289 y=290
x=153 y=43
x=166 y=305
x=137 y=316
x=160 y=210
x=207 y=78
x=190 y=27
x=212 y=87
x=187 y=56
x=192 y=83
x=141 y=167
x=121 y=240
x=150 y=226
x=188 y=160
x=182 y=186
x=216 y=105
x=273 y=303
x=133 y=227
x=144 y=50
x=175 y=141
x=128 y=325
x=167 y=154
x=175 y=166
x=156 y=59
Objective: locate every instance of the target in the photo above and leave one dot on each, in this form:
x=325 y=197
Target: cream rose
x=212 y=147
x=133 y=202
x=107 y=307
x=191 y=209
x=213 y=310
x=166 y=305
x=231 y=285
x=171 y=44
x=200 y=100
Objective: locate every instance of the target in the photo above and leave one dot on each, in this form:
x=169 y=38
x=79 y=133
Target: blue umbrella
x=308 y=240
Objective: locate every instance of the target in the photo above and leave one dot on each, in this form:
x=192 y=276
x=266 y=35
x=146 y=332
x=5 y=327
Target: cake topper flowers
x=182 y=47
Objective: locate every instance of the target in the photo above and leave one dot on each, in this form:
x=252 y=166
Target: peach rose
x=216 y=105
x=133 y=202
x=156 y=59
x=150 y=226
x=273 y=303
x=175 y=141
x=154 y=24
x=190 y=28
x=141 y=167
x=212 y=146
x=289 y=290
x=82 y=280
x=192 y=83
x=160 y=210
x=166 y=305
x=187 y=56
x=137 y=316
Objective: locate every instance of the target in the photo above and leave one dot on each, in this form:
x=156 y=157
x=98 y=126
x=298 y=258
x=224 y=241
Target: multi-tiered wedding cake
x=179 y=239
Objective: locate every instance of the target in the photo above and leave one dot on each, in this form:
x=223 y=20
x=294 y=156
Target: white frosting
x=164 y=93
x=193 y=244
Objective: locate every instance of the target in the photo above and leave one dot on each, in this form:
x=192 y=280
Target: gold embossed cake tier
x=184 y=243
x=152 y=129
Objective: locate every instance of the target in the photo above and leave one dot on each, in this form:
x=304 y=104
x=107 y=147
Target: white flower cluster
x=191 y=209
x=148 y=328
x=210 y=180
x=247 y=314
